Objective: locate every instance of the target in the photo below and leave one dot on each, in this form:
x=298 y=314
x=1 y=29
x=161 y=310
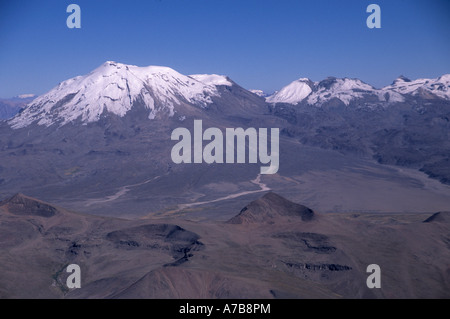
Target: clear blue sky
x=260 y=44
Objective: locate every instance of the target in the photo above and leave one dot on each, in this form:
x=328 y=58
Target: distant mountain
x=293 y=93
x=115 y=88
x=113 y=127
x=141 y=226
x=349 y=90
x=101 y=140
x=426 y=88
x=405 y=123
x=10 y=107
x=260 y=93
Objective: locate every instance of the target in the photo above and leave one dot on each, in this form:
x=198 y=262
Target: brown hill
x=291 y=252
x=271 y=208
x=20 y=204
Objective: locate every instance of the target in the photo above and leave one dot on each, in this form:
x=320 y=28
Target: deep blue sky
x=260 y=44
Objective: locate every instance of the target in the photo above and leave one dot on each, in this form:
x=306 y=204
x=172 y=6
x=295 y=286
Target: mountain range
x=359 y=167
x=114 y=88
x=405 y=123
x=347 y=90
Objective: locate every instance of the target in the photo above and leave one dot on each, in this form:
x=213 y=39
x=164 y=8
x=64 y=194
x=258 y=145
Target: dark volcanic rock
x=269 y=208
x=315 y=267
x=313 y=242
x=148 y=233
x=165 y=237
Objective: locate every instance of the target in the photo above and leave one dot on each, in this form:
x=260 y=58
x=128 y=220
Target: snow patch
x=260 y=93
x=212 y=79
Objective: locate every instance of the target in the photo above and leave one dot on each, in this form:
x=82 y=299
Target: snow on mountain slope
x=439 y=87
x=212 y=79
x=348 y=90
x=344 y=89
x=390 y=96
x=317 y=93
x=293 y=93
x=114 y=87
x=260 y=93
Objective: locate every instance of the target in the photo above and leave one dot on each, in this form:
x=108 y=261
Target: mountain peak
x=293 y=93
x=318 y=93
x=401 y=79
x=270 y=209
x=344 y=84
x=343 y=89
x=114 y=88
x=426 y=88
x=349 y=89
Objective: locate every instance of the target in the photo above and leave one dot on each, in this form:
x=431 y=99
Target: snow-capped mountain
x=115 y=87
x=317 y=93
x=439 y=87
x=293 y=93
x=348 y=90
x=345 y=90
